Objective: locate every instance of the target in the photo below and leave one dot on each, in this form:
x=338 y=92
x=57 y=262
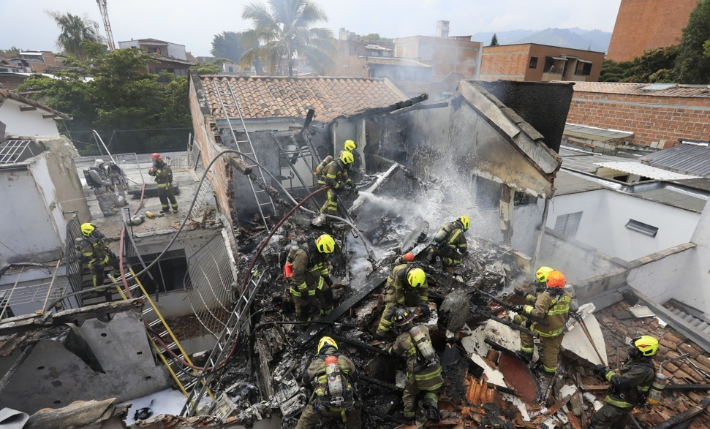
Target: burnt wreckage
x=425 y=164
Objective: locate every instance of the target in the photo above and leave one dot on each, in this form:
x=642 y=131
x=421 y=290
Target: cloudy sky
x=193 y=23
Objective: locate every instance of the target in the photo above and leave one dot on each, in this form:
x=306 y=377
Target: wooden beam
x=49 y=116
x=27 y=108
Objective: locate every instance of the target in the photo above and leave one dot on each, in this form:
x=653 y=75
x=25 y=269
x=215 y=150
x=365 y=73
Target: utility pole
x=107 y=25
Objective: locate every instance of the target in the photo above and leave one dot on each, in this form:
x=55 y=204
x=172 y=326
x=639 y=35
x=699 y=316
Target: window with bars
x=567 y=224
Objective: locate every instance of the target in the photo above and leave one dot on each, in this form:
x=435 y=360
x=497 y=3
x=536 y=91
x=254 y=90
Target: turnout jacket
x=315 y=374
x=554 y=309
x=427 y=375
x=310 y=270
x=163 y=174
x=335 y=174
x=451 y=235
x=397 y=288
x=630 y=383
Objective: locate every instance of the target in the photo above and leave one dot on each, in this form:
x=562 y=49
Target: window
x=523 y=199
x=231 y=69
x=169 y=274
x=583 y=69
x=641 y=227
x=533 y=62
x=567 y=224
x=549 y=64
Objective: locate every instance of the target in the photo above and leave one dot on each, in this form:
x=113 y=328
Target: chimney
x=442 y=28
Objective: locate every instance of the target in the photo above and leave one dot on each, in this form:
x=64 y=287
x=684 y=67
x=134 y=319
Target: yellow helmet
x=646 y=345
x=325 y=244
x=326 y=341
x=349 y=145
x=542 y=274
x=87 y=229
x=465 y=221
x=346 y=157
x=416 y=277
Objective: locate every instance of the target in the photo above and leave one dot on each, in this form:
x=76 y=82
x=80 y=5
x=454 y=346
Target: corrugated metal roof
x=645 y=170
x=595 y=133
x=685 y=158
x=579 y=160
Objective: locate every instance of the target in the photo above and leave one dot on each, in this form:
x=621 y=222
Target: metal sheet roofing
x=685 y=158
x=586 y=162
x=595 y=133
x=644 y=170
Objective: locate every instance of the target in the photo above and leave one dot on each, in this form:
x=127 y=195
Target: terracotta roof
x=4 y=93
x=665 y=90
x=264 y=97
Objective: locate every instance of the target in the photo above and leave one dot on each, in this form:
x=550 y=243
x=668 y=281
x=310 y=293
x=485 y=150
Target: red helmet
x=155 y=156
x=556 y=280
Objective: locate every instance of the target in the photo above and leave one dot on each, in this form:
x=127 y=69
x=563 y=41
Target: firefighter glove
x=600 y=370
x=517 y=308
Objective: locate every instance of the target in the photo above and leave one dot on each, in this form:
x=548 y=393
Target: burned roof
x=9 y=95
x=684 y=158
x=670 y=90
x=292 y=97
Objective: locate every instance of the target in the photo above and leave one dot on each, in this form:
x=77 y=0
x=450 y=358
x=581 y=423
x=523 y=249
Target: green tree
x=655 y=65
x=73 y=31
x=207 y=68
x=692 y=65
x=283 y=29
x=370 y=38
x=138 y=113
x=231 y=45
x=494 y=40
x=706 y=47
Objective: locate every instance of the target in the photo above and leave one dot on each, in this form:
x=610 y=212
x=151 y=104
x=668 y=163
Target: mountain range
x=576 y=38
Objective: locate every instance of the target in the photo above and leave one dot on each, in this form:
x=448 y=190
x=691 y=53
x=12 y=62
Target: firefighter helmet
x=465 y=221
x=416 y=277
x=326 y=342
x=542 y=274
x=325 y=244
x=346 y=157
x=556 y=280
x=402 y=316
x=87 y=229
x=155 y=156
x=646 y=345
x=349 y=145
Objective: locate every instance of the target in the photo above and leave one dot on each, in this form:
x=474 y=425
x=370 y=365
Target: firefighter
x=351 y=147
x=310 y=282
x=423 y=367
x=406 y=286
x=335 y=175
x=553 y=306
x=97 y=255
x=332 y=376
x=164 y=178
x=540 y=284
x=97 y=178
x=450 y=244
x=628 y=385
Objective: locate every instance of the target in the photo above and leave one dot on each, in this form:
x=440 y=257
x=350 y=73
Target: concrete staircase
x=700 y=324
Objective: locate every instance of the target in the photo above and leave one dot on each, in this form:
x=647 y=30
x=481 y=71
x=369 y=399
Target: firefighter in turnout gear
x=97 y=255
x=310 y=282
x=164 y=178
x=628 y=386
x=449 y=243
x=331 y=375
x=356 y=167
x=423 y=367
x=552 y=305
x=406 y=286
x=538 y=286
x=335 y=175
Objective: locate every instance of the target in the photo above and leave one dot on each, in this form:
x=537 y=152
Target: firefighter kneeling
x=423 y=367
x=334 y=394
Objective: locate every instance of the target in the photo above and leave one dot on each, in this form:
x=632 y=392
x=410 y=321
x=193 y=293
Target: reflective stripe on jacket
x=554 y=310
x=397 y=288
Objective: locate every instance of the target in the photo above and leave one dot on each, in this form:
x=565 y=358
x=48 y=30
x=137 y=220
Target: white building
x=25 y=117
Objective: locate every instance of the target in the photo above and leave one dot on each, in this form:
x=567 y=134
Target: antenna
x=107 y=25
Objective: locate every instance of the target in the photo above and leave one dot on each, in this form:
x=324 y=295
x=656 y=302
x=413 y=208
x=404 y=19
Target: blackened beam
x=359 y=344
x=383 y=416
x=689 y=414
x=376 y=111
x=380 y=383
x=375 y=281
x=423 y=107
x=686 y=387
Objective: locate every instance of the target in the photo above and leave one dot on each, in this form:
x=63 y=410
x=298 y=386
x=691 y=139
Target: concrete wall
x=647 y=24
x=53 y=377
x=658 y=121
x=27 y=123
x=605 y=215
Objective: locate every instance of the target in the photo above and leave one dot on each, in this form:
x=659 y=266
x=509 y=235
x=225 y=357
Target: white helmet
x=98 y=162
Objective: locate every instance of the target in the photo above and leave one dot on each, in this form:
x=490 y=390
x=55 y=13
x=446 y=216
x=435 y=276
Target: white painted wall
x=605 y=214
x=28 y=123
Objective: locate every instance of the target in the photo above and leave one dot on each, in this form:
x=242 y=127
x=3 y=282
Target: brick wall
x=647 y=24
x=348 y=61
x=220 y=173
x=651 y=119
x=509 y=62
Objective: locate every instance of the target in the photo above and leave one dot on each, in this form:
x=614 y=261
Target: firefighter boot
x=432 y=414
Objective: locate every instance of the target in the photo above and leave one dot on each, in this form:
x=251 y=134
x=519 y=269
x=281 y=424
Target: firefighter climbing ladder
x=263 y=199
x=226 y=343
x=180 y=373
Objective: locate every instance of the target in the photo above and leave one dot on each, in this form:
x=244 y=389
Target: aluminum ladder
x=264 y=202
x=185 y=378
x=226 y=343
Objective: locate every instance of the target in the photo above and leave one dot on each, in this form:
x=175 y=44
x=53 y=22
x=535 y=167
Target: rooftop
x=540 y=44
x=6 y=94
x=595 y=133
x=685 y=158
x=331 y=97
x=658 y=90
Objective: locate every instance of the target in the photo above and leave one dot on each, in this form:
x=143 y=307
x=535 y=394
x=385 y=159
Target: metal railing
x=71 y=256
x=211 y=281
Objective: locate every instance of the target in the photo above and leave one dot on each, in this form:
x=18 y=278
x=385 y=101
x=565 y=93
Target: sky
x=194 y=23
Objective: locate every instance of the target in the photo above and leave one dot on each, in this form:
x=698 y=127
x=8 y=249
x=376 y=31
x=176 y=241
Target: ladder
x=226 y=343
x=185 y=378
x=263 y=199
x=299 y=153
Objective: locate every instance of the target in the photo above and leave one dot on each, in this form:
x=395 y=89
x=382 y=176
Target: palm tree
x=282 y=29
x=74 y=31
